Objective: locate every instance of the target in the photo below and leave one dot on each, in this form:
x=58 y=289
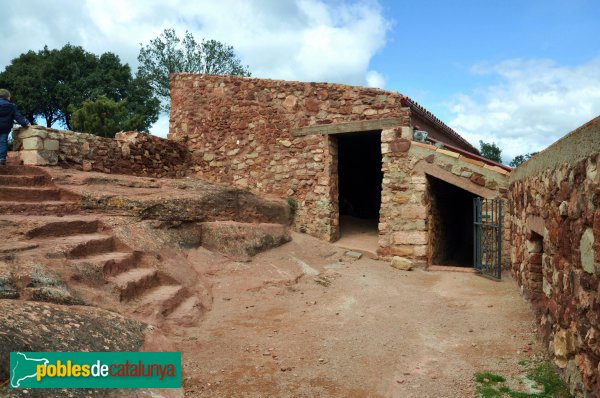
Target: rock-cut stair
x=107 y=272
x=30 y=190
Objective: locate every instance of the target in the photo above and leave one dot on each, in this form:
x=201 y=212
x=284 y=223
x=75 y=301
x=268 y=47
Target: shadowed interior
x=451 y=224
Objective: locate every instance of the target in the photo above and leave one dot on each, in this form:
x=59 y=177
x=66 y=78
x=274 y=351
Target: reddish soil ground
x=303 y=320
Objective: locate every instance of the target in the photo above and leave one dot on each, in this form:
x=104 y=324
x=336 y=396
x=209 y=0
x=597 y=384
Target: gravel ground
x=303 y=320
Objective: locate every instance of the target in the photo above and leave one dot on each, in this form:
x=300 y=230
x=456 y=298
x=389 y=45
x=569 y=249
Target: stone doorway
x=359 y=188
x=450 y=224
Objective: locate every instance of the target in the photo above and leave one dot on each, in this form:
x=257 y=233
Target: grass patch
x=543 y=378
x=293 y=204
x=487 y=378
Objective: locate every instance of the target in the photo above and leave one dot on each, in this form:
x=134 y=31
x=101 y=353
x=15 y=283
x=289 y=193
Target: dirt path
x=305 y=321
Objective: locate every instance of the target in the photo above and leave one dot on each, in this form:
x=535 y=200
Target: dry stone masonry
x=132 y=153
x=555 y=216
x=279 y=137
x=240 y=131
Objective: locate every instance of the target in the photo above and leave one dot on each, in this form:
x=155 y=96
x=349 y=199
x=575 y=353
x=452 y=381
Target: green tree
x=26 y=78
x=490 y=151
x=100 y=116
x=51 y=84
x=105 y=117
x=520 y=159
x=168 y=54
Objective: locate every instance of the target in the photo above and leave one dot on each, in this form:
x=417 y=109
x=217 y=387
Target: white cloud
x=535 y=103
x=375 y=79
x=307 y=40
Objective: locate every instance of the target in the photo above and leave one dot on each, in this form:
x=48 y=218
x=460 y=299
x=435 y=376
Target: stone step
x=160 y=301
x=13 y=247
x=46 y=208
x=63 y=228
x=79 y=246
x=24 y=180
x=29 y=194
x=20 y=170
x=131 y=283
x=188 y=310
x=109 y=264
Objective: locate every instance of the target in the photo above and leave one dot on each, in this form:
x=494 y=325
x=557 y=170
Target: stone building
x=339 y=153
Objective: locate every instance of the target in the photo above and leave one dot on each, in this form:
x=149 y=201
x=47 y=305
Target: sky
x=520 y=73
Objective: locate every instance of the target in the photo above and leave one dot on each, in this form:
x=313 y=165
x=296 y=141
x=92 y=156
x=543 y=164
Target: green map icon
x=23 y=367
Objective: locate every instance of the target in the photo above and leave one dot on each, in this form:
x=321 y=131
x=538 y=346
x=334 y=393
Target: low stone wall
x=555 y=226
x=132 y=153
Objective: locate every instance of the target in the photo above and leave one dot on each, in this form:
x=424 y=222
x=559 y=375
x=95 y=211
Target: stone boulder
x=37 y=282
x=8 y=287
x=241 y=241
x=401 y=263
x=192 y=202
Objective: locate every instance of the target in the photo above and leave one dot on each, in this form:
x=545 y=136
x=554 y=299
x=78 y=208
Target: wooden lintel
x=348 y=127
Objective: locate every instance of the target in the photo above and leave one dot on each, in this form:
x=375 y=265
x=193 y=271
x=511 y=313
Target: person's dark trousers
x=3 y=147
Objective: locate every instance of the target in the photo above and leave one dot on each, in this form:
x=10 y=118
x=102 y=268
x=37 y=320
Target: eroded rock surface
x=241 y=241
x=31 y=326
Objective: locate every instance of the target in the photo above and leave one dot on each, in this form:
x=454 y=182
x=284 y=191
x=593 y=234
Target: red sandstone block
x=535 y=258
x=426 y=146
x=535 y=276
x=472 y=161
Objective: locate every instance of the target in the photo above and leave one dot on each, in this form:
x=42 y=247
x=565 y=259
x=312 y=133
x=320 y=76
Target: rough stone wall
x=405 y=228
x=555 y=226
x=131 y=153
x=240 y=132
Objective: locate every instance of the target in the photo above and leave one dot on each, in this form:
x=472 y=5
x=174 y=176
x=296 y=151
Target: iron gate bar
x=487 y=227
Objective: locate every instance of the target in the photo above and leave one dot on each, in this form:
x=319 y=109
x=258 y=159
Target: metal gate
x=487 y=228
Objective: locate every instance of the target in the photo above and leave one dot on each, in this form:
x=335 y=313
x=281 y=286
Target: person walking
x=8 y=115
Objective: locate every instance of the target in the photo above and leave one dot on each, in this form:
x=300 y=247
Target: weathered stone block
x=208 y=157
x=241 y=240
x=535 y=258
x=402 y=251
x=39 y=158
x=478 y=178
x=401 y=198
x=400 y=145
x=401 y=263
x=51 y=145
x=586 y=251
x=411 y=237
x=86 y=165
x=547 y=288
x=448 y=153
x=420 y=251
x=413 y=212
x=406 y=132
x=388 y=135
x=33 y=143
x=32 y=131
x=564 y=347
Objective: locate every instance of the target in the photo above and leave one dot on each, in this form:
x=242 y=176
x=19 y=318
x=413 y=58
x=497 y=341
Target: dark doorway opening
x=450 y=224
x=359 y=179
